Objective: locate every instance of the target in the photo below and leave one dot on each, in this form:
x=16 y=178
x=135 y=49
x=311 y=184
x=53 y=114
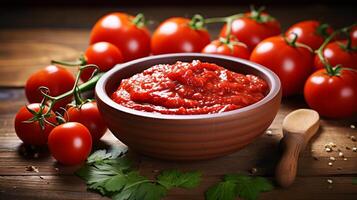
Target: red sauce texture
x=189 y=88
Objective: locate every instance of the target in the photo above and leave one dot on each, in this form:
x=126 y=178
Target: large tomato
x=124 y=31
x=176 y=35
x=88 y=115
x=228 y=48
x=32 y=132
x=310 y=32
x=333 y=96
x=57 y=79
x=103 y=54
x=293 y=64
x=336 y=54
x=253 y=28
x=70 y=143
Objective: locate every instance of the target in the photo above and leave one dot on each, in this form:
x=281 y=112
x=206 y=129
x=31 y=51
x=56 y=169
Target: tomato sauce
x=189 y=88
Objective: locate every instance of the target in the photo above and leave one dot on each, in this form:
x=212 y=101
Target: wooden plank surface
x=31 y=37
x=54 y=181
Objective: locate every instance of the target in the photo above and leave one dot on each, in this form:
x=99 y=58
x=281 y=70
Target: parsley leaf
x=110 y=174
x=233 y=185
x=174 y=178
x=224 y=190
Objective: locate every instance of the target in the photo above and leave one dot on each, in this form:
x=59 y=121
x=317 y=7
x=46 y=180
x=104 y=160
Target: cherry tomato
x=310 y=32
x=335 y=54
x=332 y=96
x=230 y=48
x=89 y=116
x=176 y=35
x=31 y=132
x=70 y=143
x=253 y=28
x=293 y=64
x=120 y=29
x=57 y=79
x=103 y=54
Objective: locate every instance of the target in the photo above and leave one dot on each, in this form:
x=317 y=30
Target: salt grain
x=329 y=181
x=340 y=154
x=354 y=149
x=332 y=158
x=269 y=132
x=352 y=126
x=330 y=164
x=327 y=149
x=353 y=138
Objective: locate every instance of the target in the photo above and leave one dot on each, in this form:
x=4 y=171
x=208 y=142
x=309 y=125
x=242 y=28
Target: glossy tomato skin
x=237 y=50
x=251 y=32
x=70 y=143
x=119 y=29
x=293 y=65
x=175 y=35
x=335 y=55
x=88 y=115
x=103 y=54
x=332 y=96
x=57 y=79
x=31 y=133
x=307 y=32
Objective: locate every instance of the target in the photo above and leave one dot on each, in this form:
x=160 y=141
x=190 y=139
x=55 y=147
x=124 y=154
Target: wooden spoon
x=298 y=128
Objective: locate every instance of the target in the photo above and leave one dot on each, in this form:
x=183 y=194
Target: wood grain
x=54 y=181
x=30 y=38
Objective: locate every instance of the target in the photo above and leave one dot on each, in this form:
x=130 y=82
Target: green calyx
x=197 y=22
x=40 y=116
x=139 y=20
x=322 y=30
x=257 y=15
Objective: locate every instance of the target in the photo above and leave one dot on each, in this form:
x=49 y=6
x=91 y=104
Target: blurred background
x=34 y=32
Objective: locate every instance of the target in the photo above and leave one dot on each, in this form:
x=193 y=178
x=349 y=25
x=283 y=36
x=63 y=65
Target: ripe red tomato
x=57 y=79
x=252 y=29
x=88 y=115
x=231 y=48
x=332 y=96
x=31 y=133
x=293 y=64
x=133 y=40
x=176 y=35
x=310 y=32
x=70 y=143
x=103 y=54
x=335 y=55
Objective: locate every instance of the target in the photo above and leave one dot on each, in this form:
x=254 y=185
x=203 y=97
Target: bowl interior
x=111 y=80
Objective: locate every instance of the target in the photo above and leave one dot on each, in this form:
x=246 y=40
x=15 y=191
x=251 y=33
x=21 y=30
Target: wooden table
x=31 y=45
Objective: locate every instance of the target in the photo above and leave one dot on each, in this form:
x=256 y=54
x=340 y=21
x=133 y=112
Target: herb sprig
x=110 y=174
x=234 y=185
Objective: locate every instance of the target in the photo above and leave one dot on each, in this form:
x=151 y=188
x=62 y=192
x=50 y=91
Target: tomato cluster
x=119 y=37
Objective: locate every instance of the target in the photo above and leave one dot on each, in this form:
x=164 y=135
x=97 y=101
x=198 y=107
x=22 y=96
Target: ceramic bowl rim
x=102 y=94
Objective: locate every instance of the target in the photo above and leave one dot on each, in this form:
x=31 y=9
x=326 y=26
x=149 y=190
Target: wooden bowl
x=187 y=137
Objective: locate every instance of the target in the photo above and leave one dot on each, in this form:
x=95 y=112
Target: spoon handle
x=291 y=145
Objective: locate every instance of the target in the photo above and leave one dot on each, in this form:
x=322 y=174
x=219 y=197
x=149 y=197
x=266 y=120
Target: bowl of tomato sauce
x=188 y=106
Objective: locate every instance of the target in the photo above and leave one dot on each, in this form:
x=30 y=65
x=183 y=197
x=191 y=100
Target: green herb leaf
x=226 y=190
x=233 y=185
x=110 y=174
x=174 y=178
x=103 y=155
